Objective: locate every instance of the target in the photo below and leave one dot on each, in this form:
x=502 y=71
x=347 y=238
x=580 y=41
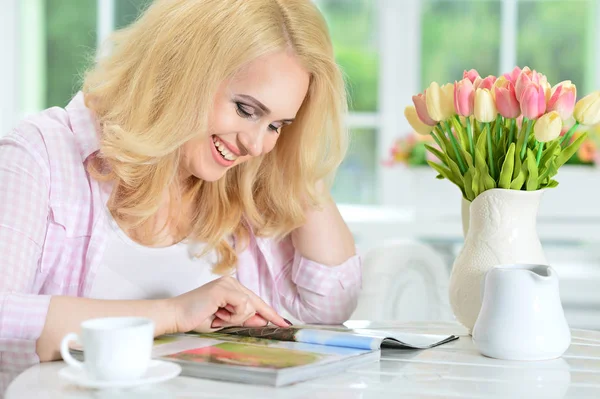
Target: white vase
x=501 y=229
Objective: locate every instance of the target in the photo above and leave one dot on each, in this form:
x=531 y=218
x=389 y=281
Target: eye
x=275 y=128
x=244 y=111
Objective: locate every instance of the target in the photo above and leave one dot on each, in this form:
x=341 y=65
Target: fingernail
x=287 y=321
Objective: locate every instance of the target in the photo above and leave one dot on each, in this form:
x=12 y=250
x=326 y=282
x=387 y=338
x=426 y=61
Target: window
x=459 y=35
x=555 y=37
x=387 y=49
x=353 y=28
x=70 y=36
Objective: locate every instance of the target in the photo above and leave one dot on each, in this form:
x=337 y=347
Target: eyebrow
x=260 y=105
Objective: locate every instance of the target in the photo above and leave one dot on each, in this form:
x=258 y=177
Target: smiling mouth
x=223 y=151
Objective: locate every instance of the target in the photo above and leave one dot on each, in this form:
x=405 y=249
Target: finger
x=241 y=304
x=223 y=314
x=264 y=310
x=256 y=321
x=217 y=323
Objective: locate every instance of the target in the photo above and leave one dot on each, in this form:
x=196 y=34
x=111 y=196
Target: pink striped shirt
x=53 y=236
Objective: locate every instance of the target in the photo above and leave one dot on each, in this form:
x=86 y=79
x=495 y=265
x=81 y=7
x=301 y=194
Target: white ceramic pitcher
x=521 y=316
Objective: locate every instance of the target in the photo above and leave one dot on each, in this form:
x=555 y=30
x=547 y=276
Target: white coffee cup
x=115 y=348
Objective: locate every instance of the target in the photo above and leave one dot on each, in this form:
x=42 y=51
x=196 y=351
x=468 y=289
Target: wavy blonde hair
x=154 y=91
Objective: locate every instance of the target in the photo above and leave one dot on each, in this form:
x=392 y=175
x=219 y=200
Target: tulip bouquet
x=502 y=132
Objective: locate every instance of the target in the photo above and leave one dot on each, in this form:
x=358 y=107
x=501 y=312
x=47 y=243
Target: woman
x=212 y=128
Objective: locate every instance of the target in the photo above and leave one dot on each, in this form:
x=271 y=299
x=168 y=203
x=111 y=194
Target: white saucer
x=158 y=371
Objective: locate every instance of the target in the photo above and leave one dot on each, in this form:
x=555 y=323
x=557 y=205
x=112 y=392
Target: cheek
x=269 y=142
x=223 y=120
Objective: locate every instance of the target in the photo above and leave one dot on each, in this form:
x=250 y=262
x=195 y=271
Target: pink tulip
x=513 y=75
x=486 y=83
x=528 y=76
x=506 y=100
x=471 y=75
x=563 y=99
x=421 y=107
x=464 y=97
x=533 y=101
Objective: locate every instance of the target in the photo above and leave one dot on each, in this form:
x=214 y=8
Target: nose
x=252 y=141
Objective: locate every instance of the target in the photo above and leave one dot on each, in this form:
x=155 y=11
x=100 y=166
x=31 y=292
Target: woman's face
x=248 y=113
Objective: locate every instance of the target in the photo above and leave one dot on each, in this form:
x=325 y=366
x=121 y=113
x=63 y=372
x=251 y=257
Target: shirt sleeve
x=24 y=202
x=313 y=292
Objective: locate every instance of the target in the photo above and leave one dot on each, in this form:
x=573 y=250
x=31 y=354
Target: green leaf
x=480 y=152
x=551 y=184
x=439 y=177
x=469 y=159
x=446 y=173
x=476 y=187
x=549 y=171
x=507 y=168
x=461 y=133
x=518 y=182
x=468 y=179
x=455 y=171
x=517 y=163
x=440 y=155
x=532 y=179
x=549 y=152
x=569 y=151
x=488 y=182
x=500 y=162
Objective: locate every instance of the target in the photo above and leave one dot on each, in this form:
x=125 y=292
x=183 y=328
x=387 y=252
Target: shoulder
x=47 y=135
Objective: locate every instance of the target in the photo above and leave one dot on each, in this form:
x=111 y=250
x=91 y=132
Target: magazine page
x=341 y=336
x=248 y=352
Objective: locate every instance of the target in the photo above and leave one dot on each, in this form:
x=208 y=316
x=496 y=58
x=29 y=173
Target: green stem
x=470 y=136
x=490 y=152
x=461 y=164
x=527 y=131
x=437 y=140
x=511 y=134
x=498 y=127
x=568 y=135
x=539 y=153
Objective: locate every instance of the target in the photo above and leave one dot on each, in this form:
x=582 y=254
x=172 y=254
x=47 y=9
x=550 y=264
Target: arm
x=65 y=314
x=324 y=238
x=318 y=274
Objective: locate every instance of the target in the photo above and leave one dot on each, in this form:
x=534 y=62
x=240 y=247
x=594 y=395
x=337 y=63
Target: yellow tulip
x=485 y=107
x=548 y=127
x=587 y=110
x=440 y=101
x=411 y=116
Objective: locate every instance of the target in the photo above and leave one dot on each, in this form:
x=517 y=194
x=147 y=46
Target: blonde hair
x=155 y=89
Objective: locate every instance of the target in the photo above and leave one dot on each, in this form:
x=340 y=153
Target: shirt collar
x=84 y=125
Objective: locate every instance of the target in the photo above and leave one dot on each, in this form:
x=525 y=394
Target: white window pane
x=70 y=45
x=553 y=37
x=356 y=179
x=353 y=28
x=459 y=35
x=126 y=11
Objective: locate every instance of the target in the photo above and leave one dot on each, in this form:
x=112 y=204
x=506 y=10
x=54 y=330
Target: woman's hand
x=221 y=303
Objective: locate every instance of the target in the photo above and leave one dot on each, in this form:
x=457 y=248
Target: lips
x=222 y=153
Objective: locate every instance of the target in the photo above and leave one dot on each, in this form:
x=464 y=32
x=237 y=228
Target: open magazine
x=351 y=338
x=279 y=356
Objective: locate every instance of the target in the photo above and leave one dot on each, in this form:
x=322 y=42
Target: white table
x=455 y=369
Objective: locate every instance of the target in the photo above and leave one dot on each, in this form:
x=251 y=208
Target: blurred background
x=388 y=50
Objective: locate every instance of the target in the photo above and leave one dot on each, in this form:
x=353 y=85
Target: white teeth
x=223 y=150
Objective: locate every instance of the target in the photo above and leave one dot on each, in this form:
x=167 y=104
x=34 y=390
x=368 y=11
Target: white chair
x=404 y=280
